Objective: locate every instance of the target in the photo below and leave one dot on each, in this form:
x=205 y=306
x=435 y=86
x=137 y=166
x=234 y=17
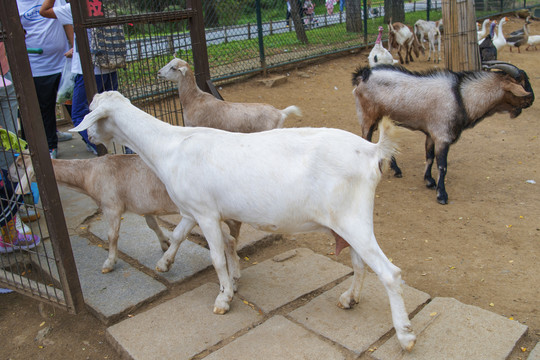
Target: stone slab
x=359 y=327
x=248 y=237
x=535 y=353
x=114 y=293
x=181 y=327
x=108 y=295
x=277 y=338
x=80 y=207
x=449 y=329
x=272 y=284
x=139 y=242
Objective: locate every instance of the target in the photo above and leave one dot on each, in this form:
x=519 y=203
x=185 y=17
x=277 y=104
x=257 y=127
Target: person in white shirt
x=50 y=36
x=105 y=79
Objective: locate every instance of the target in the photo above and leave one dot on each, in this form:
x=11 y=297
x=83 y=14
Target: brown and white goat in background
x=402 y=37
x=441 y=104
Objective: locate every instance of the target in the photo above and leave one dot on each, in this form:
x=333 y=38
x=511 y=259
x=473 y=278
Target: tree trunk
x=394 y=10
x=353 y=15
x=296 y=10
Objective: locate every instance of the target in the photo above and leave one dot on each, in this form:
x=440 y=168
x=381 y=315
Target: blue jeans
x=341 y=5
x=79 y=107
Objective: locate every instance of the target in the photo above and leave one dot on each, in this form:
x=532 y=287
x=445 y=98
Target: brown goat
x=441 y=104
x=117 y=183
x=402 y=37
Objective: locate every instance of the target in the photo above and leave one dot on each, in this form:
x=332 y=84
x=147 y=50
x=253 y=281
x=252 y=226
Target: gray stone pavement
x=285 y=307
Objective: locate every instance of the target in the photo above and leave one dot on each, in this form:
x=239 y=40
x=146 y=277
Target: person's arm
x=46 y=9
x=69 y=33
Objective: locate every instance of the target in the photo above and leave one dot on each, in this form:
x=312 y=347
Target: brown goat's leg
x=442 y=156
x=430 y=157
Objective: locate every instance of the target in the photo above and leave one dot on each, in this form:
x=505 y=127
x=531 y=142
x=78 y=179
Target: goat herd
x=234 y=162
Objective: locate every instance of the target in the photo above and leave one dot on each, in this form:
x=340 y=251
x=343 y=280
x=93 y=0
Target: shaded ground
x=481 y=249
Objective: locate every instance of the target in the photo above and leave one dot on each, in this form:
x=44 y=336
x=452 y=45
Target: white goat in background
x=431 y=30
x=283 y=180
x=203 y=109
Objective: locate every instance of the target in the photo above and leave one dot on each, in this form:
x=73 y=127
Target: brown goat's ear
x=515 y=89
x=183 y=69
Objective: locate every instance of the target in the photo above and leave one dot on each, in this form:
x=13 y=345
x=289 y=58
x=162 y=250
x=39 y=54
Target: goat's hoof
x=407 y=340
x=410 y=346
x=443 y=200
x=430 y=183
x=219 y=311
x=398 y=174
x=106 y=270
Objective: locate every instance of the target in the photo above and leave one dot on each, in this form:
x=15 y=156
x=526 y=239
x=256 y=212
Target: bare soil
x=482 y=248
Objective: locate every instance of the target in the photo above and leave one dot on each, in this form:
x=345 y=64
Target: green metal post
x=260 y=34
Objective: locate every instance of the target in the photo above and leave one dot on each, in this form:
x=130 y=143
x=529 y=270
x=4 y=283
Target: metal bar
x=198 y=44
x=78 y=8
x=365 y=21
x=39 y=151
x=260 y=34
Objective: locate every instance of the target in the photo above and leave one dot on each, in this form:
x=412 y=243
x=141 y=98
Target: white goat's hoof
x=220 y=311
x=221 y=306
x=406 y=338
x=163 y=266
x=346 y=301
x=107 y=267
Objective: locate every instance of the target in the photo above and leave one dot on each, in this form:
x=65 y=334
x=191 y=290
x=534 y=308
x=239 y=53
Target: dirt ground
x=482 y=248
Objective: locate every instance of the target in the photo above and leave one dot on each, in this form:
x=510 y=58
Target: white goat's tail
x=289 y=110
x=387 y=145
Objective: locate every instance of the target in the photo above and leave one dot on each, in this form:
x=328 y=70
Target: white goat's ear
x=514 y=88
x=90 y=119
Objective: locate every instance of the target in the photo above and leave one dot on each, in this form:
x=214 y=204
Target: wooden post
x=461 y=51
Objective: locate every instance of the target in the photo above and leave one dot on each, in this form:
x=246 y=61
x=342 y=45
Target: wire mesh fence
x=29 y=261
x=247 y=36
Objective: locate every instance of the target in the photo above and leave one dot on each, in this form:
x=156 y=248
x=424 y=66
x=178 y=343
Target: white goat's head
x=174 y=71
x=104 y=104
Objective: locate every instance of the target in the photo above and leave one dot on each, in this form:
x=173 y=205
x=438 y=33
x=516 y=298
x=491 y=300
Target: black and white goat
x=441 y=104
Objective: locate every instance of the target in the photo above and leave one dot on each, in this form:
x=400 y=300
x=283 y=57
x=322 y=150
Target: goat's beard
x=514 y=114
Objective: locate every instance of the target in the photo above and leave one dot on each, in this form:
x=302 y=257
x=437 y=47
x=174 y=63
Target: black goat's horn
x=501 y=65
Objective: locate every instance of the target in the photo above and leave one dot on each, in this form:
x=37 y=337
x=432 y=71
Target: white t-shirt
x=65 y=17
x=46 y=34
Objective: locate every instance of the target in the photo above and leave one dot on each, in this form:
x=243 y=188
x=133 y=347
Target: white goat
x=431 y=30
x=283 y=180
x=117 y=183
x=203 y=109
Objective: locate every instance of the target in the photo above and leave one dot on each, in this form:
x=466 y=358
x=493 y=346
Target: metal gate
x=48 y=271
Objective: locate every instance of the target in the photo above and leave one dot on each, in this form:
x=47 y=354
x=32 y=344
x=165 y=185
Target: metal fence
x=244 y=37
x=255 y=35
